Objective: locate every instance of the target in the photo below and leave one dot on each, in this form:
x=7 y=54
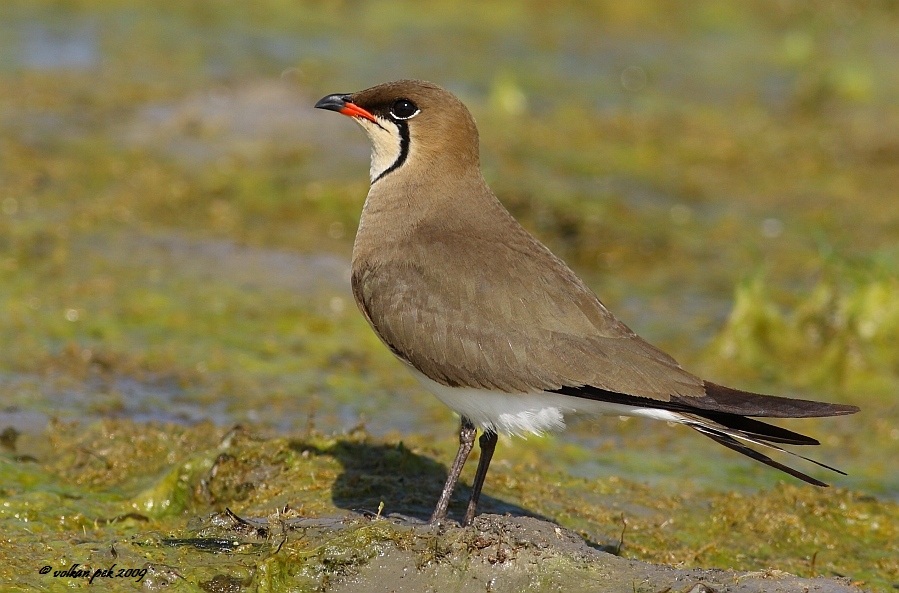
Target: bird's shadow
x=406 y=483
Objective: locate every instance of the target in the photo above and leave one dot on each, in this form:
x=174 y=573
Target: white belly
x=528 y=413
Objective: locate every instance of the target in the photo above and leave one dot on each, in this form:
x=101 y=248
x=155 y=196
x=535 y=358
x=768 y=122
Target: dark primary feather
x=734 y=401
x=720 y=399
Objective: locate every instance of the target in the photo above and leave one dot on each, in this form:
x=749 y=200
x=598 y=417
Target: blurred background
x=176 y=219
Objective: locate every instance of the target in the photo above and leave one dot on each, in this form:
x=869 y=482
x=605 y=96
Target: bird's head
x=414 y=126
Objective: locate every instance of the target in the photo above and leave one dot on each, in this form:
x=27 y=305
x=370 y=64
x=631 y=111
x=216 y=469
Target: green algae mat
x=190 y=401
x=207 y=509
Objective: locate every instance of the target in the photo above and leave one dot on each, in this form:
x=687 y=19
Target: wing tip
x=748 y=403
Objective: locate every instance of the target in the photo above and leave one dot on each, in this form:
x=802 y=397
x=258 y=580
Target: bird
x=495 y=325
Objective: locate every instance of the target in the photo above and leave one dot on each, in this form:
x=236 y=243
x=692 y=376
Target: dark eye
x=403 y=109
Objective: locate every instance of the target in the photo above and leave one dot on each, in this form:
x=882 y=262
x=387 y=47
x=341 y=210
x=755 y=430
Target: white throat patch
x=386 y=144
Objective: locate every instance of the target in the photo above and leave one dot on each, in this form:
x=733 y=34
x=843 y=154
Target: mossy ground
x=723 y=175
x=115 y=492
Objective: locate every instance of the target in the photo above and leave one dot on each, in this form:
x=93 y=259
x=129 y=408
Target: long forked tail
x=731 y=430
x=721 y=414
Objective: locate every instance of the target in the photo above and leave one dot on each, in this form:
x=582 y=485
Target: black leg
x=467 y=432
x=488 y=445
